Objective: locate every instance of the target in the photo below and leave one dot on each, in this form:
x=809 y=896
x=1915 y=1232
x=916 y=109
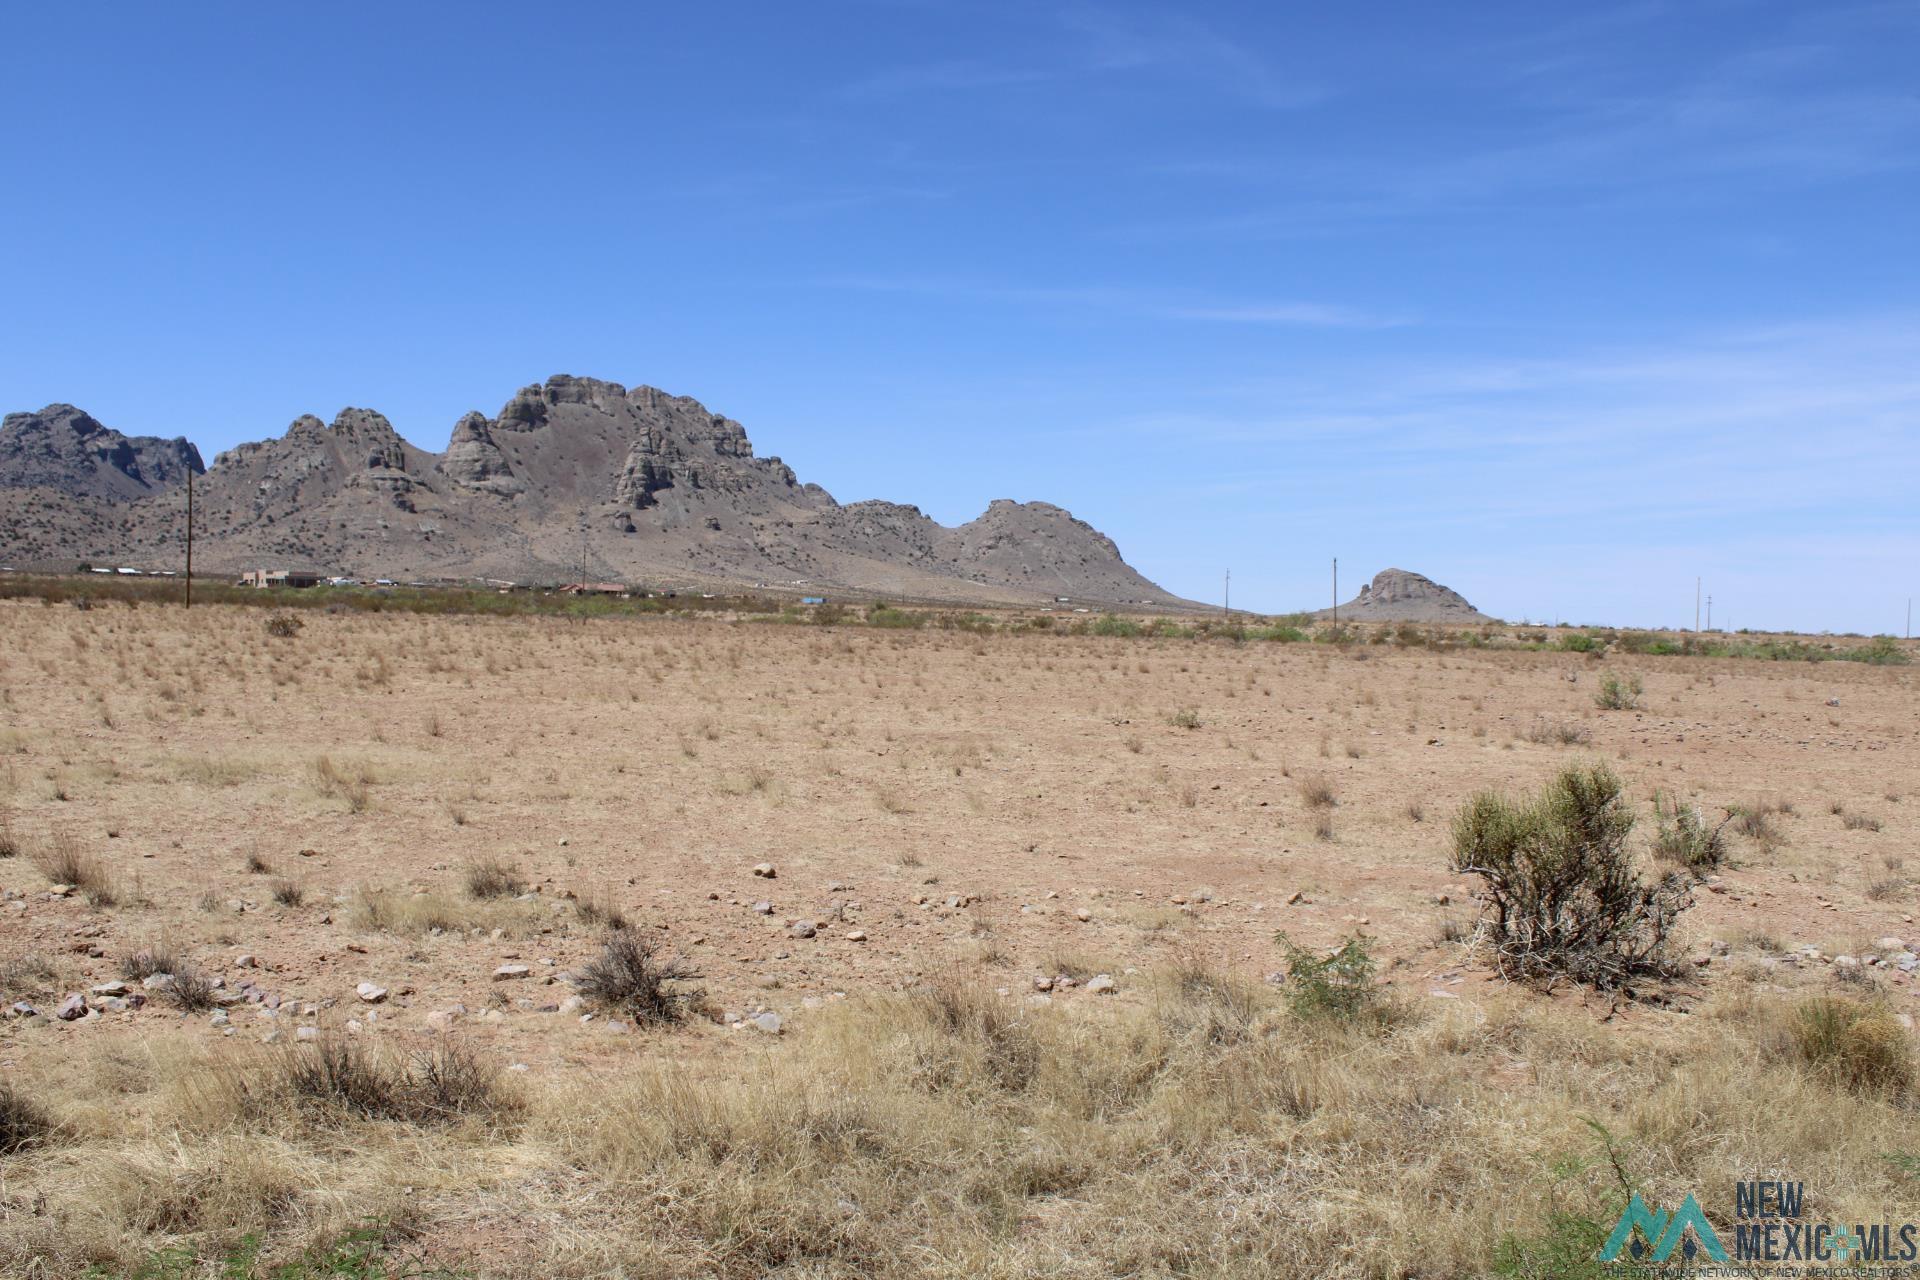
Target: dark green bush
x=1560 y=886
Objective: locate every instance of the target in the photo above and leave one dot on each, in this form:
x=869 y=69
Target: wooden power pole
x=189 y=538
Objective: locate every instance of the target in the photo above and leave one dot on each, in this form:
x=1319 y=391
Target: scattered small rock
x=370 y=993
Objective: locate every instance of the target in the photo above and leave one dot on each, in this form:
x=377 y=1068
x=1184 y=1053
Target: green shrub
x=1564 y=897
x=1337 y=984
x=1569 y=1249
x=1881 y=651
x=1685 y=838
x=1617 y=693
x=890 y=618
x=1113 y=625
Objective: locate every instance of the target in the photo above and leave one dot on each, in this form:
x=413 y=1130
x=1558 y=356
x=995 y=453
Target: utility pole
x=189 y=603
x=1709 y=613
x=582 y=579
x=1336 y=591
x=1226 y=596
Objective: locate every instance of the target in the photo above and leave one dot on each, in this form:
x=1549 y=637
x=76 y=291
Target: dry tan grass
x=1186 y=1125
x=952 y=1132
x=413 y=913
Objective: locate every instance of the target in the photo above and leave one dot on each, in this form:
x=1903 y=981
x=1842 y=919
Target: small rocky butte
x=1395 y=595
x=572 y=475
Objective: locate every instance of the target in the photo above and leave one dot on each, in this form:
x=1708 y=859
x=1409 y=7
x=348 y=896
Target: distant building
x=813 y=599
x=595 y=588
x=279 y=578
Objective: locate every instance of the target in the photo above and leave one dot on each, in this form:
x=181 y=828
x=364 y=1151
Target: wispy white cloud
x=1117 y=40
x=1087 y=42
x=942 y=77
x=1581 y=131
x=1141 y=303
x=1744 y=426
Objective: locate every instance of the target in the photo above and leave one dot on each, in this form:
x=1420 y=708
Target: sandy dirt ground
x=1019 y=806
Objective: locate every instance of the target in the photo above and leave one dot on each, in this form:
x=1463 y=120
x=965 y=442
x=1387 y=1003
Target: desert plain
x=986 y=928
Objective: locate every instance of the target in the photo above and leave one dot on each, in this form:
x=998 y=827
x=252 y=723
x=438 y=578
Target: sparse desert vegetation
x=901 y=949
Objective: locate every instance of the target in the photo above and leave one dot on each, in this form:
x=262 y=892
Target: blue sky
x=1561 y=304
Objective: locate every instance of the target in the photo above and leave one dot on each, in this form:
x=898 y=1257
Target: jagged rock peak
x=66 y=448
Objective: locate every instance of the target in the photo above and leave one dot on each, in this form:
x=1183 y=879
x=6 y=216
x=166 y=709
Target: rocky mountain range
x=1395 y=595
x=574 y=477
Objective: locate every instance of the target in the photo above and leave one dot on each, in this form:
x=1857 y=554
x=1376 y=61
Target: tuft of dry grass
x=412 y=914
x=1544 y=731
x=1853 y=1043
x=346 y=1077
x=155 y=957
x=25 y=975
x=24 y=1123
x=1756 y=822
x=492 y=878
x=191 y=991
x=350 y=783
x=1316 y=791
x=602 y=909
x=1886 y=888
x=1860 y=822
x=62 y=860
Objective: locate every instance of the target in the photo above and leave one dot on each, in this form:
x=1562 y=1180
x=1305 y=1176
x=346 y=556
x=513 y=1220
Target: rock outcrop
x=572 y=475
x=1395 y=595
x=60 y=447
